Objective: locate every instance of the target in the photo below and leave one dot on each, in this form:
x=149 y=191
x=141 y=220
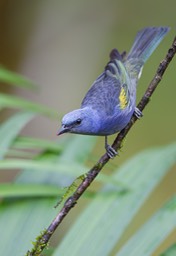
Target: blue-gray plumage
x=110 y=103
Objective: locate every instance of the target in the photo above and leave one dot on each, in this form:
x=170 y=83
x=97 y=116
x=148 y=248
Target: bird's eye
x=78 y=121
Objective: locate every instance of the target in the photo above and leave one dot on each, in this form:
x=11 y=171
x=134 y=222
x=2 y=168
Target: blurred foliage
x=171 y=251
x=27 y=203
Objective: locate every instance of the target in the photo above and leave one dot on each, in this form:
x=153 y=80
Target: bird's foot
x=138 y=113
x=111 y=152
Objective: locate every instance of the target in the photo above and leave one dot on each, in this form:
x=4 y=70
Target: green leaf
x=11 y=190
x=103 y=222
x=13 y=78
x=8 y=101
x=62 y=167
x=152 y=234
x=11 y=128
x=23 y=219
x=70 y=169
x=34 y=143
x=19 y=153
x=171 y=251
x=58 y=175
x=29 y=190
x=78 y=148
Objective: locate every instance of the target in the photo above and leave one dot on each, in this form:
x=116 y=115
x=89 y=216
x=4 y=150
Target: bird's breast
x=116 y=122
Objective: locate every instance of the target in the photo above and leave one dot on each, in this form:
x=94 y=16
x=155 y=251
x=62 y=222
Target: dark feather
x=103 y=95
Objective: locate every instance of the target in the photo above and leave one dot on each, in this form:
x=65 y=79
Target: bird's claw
x=111 y=152
x=138 y=113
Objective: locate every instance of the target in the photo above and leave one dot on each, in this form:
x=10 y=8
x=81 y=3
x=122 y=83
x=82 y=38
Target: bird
x=111 y=100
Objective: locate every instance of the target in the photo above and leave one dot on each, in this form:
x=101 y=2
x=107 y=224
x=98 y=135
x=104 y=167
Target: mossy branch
x=43 y=239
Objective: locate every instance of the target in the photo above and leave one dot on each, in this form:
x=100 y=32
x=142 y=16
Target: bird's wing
x=134 y=67
x=111 y=88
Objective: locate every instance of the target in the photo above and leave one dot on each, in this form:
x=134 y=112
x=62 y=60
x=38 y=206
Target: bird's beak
x=63 y=130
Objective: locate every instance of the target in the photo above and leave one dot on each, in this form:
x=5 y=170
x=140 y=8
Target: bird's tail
x=145 y=43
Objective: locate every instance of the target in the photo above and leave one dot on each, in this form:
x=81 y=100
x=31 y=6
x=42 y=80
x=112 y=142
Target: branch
x=44 y=238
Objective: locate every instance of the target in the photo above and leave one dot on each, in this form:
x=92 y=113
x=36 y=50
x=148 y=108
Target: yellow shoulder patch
x=123 y=99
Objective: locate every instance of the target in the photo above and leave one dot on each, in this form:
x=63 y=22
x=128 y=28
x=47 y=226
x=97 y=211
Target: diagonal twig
x=44 y=238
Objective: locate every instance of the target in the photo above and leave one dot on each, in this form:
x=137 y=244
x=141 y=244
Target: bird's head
x=80 y=121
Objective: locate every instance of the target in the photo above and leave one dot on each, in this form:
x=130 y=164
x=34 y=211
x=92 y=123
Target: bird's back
x=105 y=95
